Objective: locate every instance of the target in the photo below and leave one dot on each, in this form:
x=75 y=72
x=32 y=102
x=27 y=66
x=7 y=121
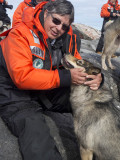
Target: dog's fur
x=96 y=122
x=111 y=42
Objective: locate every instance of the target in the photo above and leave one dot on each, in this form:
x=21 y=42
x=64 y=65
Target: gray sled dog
x=111 y=42
x=96 y=120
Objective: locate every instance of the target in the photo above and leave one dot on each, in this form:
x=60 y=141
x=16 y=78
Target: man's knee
x=36 y=141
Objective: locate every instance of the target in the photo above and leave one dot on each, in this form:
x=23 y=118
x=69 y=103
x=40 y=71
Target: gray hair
x=61 y=7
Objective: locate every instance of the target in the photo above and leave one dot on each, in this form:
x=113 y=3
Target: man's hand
x=118 y=14
x=95 y=82
x=114 y=14
x=78 y=76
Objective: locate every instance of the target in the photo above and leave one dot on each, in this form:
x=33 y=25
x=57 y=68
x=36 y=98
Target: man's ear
x=45 y=14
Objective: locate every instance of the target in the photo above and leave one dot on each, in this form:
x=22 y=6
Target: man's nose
x=59 y=27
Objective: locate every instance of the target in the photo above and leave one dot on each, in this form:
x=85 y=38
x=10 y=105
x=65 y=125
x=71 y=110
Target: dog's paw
x=112 y=67
x=104 y=67
x=114 y=56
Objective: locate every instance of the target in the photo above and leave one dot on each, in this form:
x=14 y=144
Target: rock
x=9 y=149
x=86 y=32
x=88 y=46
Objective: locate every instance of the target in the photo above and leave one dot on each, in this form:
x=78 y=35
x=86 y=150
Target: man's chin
x=51 y=36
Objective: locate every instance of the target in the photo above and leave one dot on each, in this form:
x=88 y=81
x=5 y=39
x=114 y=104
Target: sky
x=86 y=11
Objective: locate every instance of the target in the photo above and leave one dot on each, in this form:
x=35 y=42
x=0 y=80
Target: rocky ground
x=86 y=32
x=8 y=143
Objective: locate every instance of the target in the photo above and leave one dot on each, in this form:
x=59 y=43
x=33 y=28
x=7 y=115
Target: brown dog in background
x=111 y=42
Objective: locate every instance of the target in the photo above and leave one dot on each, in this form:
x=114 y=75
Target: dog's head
x=102 y=95
x=69 y=61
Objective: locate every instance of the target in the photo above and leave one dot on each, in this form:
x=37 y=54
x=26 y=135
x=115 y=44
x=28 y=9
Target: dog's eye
x=79 y=62
x=96 y=71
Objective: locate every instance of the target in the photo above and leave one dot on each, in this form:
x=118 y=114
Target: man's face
x=55 y=25
x=113 y=1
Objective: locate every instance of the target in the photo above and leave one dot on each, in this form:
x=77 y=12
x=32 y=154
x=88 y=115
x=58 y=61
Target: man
x=17 y=16
x=109 y=11
x=32 y=78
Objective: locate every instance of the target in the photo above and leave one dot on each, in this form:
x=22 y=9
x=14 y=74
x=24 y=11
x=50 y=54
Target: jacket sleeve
x=104 y=11
x=17 y=16
x=18 y=58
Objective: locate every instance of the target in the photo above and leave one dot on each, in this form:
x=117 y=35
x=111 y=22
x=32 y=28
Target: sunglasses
x=58 y=22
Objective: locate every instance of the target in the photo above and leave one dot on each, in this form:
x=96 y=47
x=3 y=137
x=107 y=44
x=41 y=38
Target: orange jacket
x=107 y=9
x=25 y=54
x=17 y=16
x=1 y=1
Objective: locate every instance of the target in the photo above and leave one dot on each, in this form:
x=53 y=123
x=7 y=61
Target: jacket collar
x=39 y=19
x=29 y=2
x=31 y=18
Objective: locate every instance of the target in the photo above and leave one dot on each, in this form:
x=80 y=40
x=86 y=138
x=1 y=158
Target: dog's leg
x=86 y=154
x=109 y=62
x=104 y=66
x=114 y=47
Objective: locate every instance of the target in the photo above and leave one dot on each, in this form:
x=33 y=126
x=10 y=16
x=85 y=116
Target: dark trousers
x=100 y=43
x=35 y=140
x=26 y=120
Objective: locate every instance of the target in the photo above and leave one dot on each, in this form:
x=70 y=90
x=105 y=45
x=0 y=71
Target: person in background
x=32 y=79
x=4 y=19
x=17 y=16
x=109 y=11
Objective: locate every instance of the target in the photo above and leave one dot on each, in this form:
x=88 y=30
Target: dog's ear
x=103 y=96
